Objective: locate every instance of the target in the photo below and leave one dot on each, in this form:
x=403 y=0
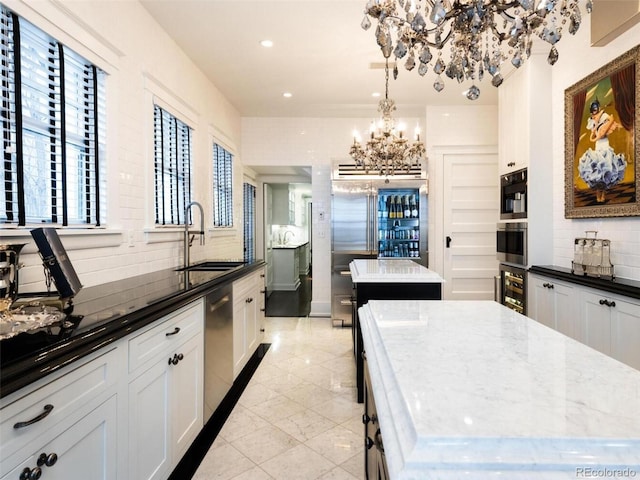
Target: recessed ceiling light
x=266 y=43
x=375 y=94
x=287 y=95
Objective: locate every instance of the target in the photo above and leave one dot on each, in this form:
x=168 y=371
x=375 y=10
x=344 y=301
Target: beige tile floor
x=298 y=418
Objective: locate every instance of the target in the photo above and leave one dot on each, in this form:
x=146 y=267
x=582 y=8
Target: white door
x=470 y=213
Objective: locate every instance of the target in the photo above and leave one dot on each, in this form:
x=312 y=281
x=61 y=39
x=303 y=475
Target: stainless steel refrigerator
x=373 y=218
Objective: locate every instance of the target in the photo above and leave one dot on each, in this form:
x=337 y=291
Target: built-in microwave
x=511 y=243
x=513 y=195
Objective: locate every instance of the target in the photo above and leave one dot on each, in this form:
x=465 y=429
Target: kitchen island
x=387 y=279
x=474 y=390
x=289 y=262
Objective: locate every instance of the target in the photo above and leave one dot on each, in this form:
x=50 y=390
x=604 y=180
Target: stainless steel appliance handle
x=345 y=273
x=216 y=305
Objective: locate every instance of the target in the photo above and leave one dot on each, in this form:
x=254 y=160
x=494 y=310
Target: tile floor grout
x=298 y=417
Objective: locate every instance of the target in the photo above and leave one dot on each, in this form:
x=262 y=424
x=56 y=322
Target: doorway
x=287 y=240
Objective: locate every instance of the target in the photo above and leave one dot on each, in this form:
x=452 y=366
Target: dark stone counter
x=100 y=316
x=620 y=286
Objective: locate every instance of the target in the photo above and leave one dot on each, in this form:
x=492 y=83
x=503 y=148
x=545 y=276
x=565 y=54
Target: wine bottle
x=414 y=208
x=399 y=209
x=405 y=203
x=417 y=207
x=385 y=208
x=392 y=207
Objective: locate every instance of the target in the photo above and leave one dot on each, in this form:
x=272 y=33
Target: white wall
x=144 y=65
x=578 y=60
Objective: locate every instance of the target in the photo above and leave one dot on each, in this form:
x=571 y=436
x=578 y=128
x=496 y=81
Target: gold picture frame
x=602 y=144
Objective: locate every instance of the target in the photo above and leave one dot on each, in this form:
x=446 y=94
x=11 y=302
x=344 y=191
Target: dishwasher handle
x=219 y=303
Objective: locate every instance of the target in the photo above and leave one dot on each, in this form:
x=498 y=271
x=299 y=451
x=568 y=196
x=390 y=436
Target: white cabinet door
x=625 y=332
x=165 y=393
x=186 y=396
x=540 y=300
x=565 y=308
x=248 y=318
x=149 y=454
x=553 y=304
x=87 y=449
x=594 y=327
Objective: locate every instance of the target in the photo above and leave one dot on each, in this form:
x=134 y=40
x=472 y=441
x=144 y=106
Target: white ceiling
x=320 y=54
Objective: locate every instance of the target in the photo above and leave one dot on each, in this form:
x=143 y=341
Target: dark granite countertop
x=620 y=286
x=101 y=315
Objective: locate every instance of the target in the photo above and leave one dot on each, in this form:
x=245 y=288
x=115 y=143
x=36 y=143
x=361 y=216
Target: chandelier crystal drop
x=481 y=34
x=387 y=151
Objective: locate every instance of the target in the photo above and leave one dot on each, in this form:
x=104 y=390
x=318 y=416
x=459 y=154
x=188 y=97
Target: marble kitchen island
x=474 y=390
x=387 y=279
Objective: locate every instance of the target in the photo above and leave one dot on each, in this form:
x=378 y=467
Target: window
x=172 y=154
x=249 y=203
x=222 y=187
x=53 y=130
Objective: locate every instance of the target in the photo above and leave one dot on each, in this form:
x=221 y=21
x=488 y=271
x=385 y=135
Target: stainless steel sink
x=220 y=266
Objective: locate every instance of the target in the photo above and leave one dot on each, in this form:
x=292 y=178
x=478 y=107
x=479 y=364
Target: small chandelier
x=387 y=151
x=475 y=30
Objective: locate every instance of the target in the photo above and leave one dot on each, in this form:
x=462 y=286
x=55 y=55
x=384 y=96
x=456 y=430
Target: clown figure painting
x=600 y=144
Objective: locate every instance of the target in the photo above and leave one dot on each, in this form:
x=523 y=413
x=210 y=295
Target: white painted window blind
x=53 y=124
x=172 y=154
x=222 y=187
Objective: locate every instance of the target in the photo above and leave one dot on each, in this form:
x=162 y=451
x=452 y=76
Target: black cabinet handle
x=365 y=418
x=449 y=239
x=175 y=332
x=511 y=164
x=363 y=355
x=368 y=443
x=547 y=285
x=249 y=300
x=378 y=441
x=48 y=460
x=47 y=410
x=606 y=302
x=30 y=474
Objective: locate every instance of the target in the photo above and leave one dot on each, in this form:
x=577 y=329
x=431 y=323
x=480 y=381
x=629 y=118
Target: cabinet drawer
x=68 y=394
x=85 y=449
x=172 y=332
x=244 y=285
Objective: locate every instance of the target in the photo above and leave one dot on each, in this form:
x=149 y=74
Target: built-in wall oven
x=511 y=243
x=511 y=283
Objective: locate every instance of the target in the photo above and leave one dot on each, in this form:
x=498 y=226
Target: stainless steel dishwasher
x=218 y=348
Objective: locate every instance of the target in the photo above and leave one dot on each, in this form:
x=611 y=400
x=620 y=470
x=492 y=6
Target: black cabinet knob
x=368 y=443
x=365 y=418
x=30 y=473
x=176 y=358
x=48 y=460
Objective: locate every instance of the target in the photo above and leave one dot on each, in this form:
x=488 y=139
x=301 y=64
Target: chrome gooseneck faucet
x=189 y=240
x=284 y=237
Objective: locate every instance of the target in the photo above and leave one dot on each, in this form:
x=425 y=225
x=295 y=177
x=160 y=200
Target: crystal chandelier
x=387 y=151
x=481 y=34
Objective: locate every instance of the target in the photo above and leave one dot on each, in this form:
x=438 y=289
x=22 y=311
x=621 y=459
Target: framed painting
x=602 y=147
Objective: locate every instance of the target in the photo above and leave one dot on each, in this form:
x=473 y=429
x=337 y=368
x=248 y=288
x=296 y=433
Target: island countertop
x=473 y=389
x=391 y=271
